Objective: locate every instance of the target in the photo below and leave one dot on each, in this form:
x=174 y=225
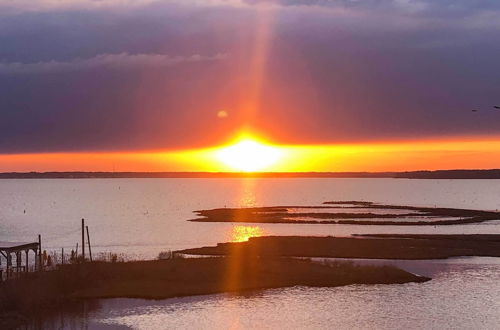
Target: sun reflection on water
x=243 y=233
x=247 y=196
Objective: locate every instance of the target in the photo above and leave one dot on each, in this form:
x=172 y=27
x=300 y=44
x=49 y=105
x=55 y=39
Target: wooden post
x=83 y=239
x=88 y=241
x=9 y=263
x=62 y=256
x=27 y=259
x=18 y=263
x=40 y=264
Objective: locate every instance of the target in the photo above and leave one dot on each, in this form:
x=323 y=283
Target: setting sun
x=249 y=155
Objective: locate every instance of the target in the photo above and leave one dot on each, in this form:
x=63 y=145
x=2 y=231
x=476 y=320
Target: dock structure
x=10 y=249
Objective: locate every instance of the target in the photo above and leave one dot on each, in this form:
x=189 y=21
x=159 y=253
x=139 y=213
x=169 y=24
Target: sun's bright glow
x=481 y=153
x=248 y=155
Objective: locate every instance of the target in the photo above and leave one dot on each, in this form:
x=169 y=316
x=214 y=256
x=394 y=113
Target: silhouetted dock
x=14 y=250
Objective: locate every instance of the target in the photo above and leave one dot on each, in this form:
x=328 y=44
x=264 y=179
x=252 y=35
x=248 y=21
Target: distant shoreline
x=439 y=174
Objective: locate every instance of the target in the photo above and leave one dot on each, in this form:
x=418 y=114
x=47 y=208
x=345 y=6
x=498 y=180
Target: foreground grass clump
x=40 y=293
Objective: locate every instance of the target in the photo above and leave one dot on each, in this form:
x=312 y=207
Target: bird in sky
x=495 y=106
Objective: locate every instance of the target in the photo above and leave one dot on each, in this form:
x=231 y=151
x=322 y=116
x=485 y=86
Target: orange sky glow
x=257 y=155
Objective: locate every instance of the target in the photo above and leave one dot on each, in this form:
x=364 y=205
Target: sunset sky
x=296 y=85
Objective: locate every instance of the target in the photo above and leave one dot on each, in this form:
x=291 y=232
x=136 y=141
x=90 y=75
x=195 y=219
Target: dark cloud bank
x=154 y=76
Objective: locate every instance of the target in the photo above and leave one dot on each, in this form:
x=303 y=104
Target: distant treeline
x=442 y=174
x=450 y=174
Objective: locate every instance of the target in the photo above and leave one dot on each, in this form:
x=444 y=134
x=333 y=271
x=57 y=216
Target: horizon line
x=431 y=174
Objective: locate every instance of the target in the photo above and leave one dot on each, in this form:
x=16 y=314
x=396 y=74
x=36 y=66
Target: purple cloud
x=99 y=79
x=108 y=61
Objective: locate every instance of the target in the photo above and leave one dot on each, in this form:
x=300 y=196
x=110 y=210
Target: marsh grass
x=39 y=294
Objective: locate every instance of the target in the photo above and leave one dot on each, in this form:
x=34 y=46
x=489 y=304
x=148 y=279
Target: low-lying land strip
x=411 y=247
x=440 y=174
x=44 y=292
x=349 y=213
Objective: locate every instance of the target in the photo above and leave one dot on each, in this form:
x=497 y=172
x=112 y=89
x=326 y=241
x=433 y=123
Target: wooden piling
x=40 y=264
x=83 y=239
x=88 y=241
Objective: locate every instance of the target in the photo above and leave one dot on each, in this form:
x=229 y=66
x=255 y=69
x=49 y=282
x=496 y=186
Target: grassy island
x=361 y=246
x=349 y=213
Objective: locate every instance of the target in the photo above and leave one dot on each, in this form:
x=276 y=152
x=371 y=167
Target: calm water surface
x=141 y=217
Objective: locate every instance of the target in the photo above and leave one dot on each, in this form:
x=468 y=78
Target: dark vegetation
x=450 y=174
x=25 y=299
x=472 y=237
x=281 y=214
x=443 y=174
x=368 y=246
